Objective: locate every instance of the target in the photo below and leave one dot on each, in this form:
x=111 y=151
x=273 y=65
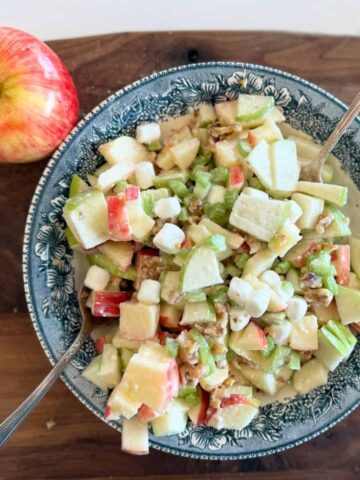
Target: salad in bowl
x=225 y=281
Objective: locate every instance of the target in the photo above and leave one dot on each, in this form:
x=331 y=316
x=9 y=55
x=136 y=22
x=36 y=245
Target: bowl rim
x=45 y=176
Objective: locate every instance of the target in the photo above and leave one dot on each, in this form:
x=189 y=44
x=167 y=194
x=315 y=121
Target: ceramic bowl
x=50 y=275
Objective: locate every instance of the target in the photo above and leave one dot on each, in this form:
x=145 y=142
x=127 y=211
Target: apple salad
x=230 y=282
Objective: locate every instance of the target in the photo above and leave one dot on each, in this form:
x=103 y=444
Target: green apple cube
x=235 y=416
x=260 y=262
x=184 y=153
x=107 y=179
x=355 y=254
x=201 y=269
x=311 y=209
x=173 y=421
x=120 y=253
x=339 y=227
x=110 y=366
x=198 y=312
x=162 y=180
x=311 y=375
x=135 y=436
x=262 y=380
x=77 y=186
x=259 y=162
x=87 y=216
x=268 y=131
x=284 y=165
x=227 y=153
x=331 y=193
x=170 y=289
x=104 y=262
x=348 y=305
x=252 y=107
x=91 y=373
x=206 y=115
x=124 y=149
x=286 y=238
x=259 y=217
x=336 y=343
x=304 y=334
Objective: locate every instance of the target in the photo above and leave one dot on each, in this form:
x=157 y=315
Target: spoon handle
x=340 y=128
x=11 y=423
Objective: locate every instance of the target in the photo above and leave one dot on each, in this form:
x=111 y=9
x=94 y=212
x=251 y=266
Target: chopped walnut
x=190 y=375
x=149 y=266
x=222 y=132
x=218 y=349
x=310 y=280
x=318 y=296
x=189 y=352
x=158 y=226
x=229 y=382
x=195 y=206
x=323 y=222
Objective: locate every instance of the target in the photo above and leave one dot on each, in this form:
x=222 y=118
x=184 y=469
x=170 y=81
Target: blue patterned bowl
x=49 y=272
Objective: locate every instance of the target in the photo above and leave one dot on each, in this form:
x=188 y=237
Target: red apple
x=38 y=99
x=341 y=261
x=198 y=413
x=169 y=316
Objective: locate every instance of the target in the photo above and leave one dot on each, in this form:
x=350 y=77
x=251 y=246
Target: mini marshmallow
x=216 y=194
x=96 y=278
x=280 y=333
x=239 y=318
x=144 y=175
x=297 y=308
x=169 y=238
x=271 y=278
x=149 y=291
x=258 y=302
x=148 y=133
x=167 y=207
x=239 y=291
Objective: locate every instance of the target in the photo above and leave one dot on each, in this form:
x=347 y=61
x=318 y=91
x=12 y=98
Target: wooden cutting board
x=79 y=446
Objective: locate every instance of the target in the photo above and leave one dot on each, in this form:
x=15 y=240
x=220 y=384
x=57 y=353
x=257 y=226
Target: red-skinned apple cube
x=169 y=316
x=107 y=304
x=135 y=437
x=138 y=321
x=198 y=413
x=236 y=177
x=119 y=226
x=341 y=261
x=132 y=192
x=146 y=414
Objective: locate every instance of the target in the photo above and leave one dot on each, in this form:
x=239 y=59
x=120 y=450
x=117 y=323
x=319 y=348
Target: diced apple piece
x=252 y=338
x=262 y=218
x=236 y=177
x=165 y=160
x=103 y=335
x=107 y=304
x=269 y=132
x=227 y=153
x=348 y=305
x=324 y=314
x=91 y=373
x=149 y=291
x=120 y=253
x=263 y=381
x=341 y=260
x=226 y=112
x=148 y=132
x=135 y=437
x=173 y=421
x=77 y=186
x=169 y=238
x=200 y=270
x=259 y=162
x=172 y=125
x=286 y=238
x=335 y=344
x=198 y=412
x=144 y=174
x=260 y=262
x=169 y=316
x=119 y=226
x=120 y=342
x=184 y=153
x=198 y=312
x=252 y=107
x=206 y=115
x=297 y=255
x=312 y=374
x=311 y=209
x=123 y=150
x=234 y=240
x=110 y=366
x=146 y=414
x=138 y=321
x=284 y=165
x=304 y=334
x=236 y=412
x=152 y=375
x=216 y=194
x=107 y=179
x=140 y=223
x=331 y=193
x=355 y=254
x=170 y=290
x=86 y=215
x=215 y=379
x=123 y=402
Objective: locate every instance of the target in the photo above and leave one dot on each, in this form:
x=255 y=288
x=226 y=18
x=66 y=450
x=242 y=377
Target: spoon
x=312 y=171
x=8 y=426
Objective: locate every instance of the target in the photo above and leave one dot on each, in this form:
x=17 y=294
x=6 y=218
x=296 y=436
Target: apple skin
x=38 y=99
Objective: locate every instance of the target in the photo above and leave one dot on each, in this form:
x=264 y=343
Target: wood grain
x=79 y=445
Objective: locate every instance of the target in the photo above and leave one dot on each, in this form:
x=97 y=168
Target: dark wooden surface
x=79 y=445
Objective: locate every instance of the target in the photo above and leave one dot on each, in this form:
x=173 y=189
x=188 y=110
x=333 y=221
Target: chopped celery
x=102 y=261
x=254 y=182
x=217 y=213
x=202 y=159
x=241 y=260
x=190 y=395
x=71 y=239
x=320 y=263
x=283 y=267
x=204 y=351
x=198 y=169
x=154 y=146
x=195 y=296
x=178 y=187
x=219 y=295
x=277 y=359
x=232 y=271
x=341 y=332
x=230 y=198
x=148 y=203
x=202 y=185
x=330 y=283
x=269 y=347
x=183 y=215
x=244 y=147
x=294 y=363
x=188 y=199
x=219 y=175
x=120 y=186
x=172 y=347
